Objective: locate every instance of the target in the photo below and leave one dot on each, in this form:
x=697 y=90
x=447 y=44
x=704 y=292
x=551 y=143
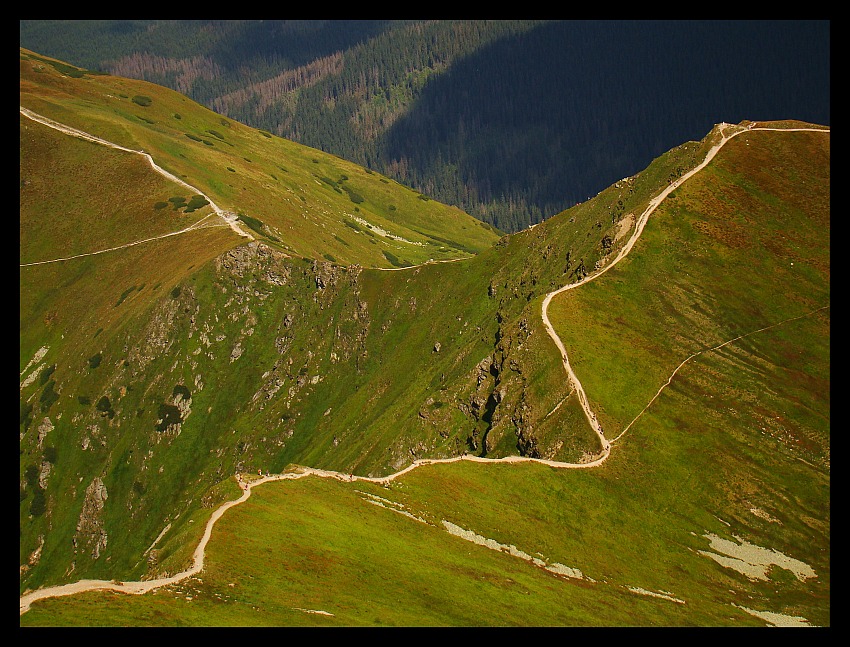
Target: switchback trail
x=198 y=555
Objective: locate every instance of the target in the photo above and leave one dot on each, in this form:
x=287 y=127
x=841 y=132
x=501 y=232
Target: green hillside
x=153 y=373
x=296 y=199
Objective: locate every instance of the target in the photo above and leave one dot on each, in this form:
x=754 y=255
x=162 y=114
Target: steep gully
x=726 y=131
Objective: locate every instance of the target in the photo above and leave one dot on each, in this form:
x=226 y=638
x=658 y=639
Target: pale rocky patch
x=558 y=569
x=43 y=429
x=776 y=619
x=39 y=355
x=90 y=530
x=764 y=515
x=753 y=561
x=664 y=595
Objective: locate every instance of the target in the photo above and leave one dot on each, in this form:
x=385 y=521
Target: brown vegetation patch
x=725 y=232
x=784 y=246
x=274 y=89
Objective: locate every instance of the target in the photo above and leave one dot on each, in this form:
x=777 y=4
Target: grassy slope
x=120 y=307
x=374 y=398
x=160 y=317
x=303 y=200
x=742 y=246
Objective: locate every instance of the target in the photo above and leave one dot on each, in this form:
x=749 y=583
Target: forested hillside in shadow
x=513 y=121
x=530 y=125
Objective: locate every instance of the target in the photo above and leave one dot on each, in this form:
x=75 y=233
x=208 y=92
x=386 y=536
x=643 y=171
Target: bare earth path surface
x=727 y=132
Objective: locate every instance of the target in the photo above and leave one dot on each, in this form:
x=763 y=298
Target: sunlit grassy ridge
x=79 y=197
x=737 y=251
x=309 y=203
x=216 y=356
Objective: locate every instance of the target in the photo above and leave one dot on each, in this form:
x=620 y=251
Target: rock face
x=156 y=339
x=236 y=353
x=44 y=428
x=255 y=257
x=90 y=532
x=44 y=474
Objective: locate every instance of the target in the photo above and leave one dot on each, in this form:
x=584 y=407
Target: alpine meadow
x=263 y=385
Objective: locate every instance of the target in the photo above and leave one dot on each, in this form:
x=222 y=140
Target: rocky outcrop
x=156 y=338
x=247 y=258
x=526 y=440
x=44 y=474
x=43 y=429
x=327 y=274
x=91 y=534
x=34 y=557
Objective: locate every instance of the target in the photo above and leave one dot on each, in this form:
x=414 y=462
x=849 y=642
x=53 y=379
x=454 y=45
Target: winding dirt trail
x=247 y=486
x=638 y=230
x=197 y=566
x=229 y=219
x=726 y=135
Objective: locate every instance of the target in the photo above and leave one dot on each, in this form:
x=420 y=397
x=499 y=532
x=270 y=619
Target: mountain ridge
x=335 y=371
x=513 y=121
